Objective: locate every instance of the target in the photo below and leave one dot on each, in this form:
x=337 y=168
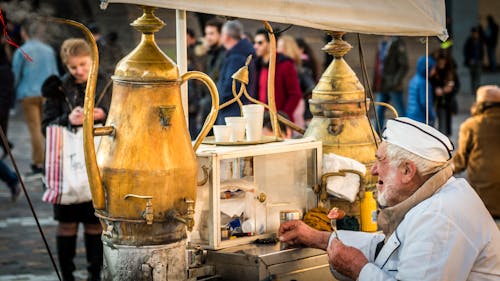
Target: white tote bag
x=74 y=187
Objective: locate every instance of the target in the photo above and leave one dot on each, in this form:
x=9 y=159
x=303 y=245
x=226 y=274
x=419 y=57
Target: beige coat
x=479 y=152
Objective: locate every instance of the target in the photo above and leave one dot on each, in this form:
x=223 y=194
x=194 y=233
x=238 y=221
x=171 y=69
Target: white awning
x=383 y=17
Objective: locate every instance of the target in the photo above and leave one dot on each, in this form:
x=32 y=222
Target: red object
x=9 y=40
x=264 y=72
x=287 y=93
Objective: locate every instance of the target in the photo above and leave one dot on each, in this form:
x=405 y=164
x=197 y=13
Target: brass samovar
x=144 y=174
x=339 y=108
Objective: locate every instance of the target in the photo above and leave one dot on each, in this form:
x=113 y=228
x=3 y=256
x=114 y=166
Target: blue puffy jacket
x=416 y=94
x=234 y=60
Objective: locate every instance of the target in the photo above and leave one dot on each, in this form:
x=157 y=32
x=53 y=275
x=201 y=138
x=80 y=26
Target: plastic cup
x=222 y=133
x=237 y=125
x=254 y=114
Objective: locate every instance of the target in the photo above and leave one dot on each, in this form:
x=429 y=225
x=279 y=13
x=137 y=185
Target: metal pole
x=427 y=80
x=181 y=26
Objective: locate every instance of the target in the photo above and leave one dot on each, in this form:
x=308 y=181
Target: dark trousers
x=7 y=175
x=475 y=70
x=444 y=119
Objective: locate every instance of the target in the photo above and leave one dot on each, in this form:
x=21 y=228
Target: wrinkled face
x=390 y=187
x=212 y=36
x=79 y=68
x=261 y=45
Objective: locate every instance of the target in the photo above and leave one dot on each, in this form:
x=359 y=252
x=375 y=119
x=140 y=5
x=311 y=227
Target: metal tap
x=188 y=217
x=147 y=214
x=189 y=214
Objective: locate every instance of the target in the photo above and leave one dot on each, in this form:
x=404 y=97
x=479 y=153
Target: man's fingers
x=288 y=226
x=346 y=260
x=289 y=230
x=288 y=237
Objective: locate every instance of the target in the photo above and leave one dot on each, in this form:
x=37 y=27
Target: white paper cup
x=222 y=133
x=237 y=125
x=254 y=114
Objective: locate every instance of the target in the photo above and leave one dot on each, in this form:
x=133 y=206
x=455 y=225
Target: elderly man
x=478 y=151
x=435 y=226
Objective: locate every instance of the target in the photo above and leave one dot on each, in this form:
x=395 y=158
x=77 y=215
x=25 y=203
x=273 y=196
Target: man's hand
x=297 y=233
x=76 y=116
x=346 y=260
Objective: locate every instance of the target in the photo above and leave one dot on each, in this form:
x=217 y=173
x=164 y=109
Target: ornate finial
x=242 y=74
x=337 y=47
x=148 y=23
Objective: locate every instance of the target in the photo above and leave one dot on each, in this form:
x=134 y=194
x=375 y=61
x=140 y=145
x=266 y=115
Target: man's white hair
x=397 y=155
x=234 y=29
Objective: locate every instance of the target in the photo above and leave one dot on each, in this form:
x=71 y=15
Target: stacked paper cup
x=254 y=115
x=237 y=125
x=222 y=133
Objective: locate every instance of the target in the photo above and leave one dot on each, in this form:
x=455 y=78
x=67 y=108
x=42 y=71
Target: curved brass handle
x=209 y=122
x=94 y=176
x=390 y=107
x=323 y=193
x=205 y=176
x=270 y=80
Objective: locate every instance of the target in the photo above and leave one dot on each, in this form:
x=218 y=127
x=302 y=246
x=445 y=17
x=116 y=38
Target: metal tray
x=265 y=139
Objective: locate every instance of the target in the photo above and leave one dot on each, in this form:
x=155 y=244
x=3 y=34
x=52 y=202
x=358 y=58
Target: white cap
x=418 y=138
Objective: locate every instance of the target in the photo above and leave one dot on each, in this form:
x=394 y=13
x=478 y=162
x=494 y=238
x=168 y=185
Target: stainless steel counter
x=267 y=262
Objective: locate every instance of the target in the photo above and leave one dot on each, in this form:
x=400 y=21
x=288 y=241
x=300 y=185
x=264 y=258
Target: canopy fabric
x=383 y=17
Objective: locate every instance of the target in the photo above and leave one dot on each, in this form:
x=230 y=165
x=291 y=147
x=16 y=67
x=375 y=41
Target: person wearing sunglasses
x=287 y=91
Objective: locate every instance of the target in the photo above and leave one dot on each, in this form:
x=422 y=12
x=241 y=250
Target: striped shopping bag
x=53 y=164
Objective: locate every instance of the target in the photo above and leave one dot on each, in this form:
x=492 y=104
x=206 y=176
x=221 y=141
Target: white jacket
x=449 y=236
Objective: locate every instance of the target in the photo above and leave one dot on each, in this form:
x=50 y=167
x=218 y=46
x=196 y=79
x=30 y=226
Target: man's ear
x=408 y=171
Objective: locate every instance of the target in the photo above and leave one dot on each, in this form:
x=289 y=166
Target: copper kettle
x=144 y=174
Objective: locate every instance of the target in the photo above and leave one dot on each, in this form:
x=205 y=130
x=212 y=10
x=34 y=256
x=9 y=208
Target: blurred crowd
x=437 y=103
x=224 y=49
x=225 y=46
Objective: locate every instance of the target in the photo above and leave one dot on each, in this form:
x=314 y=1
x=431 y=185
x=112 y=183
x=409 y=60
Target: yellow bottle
x=368 y=213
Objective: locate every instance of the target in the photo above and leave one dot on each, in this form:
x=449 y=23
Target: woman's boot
x=66 y=248
x=93 y=248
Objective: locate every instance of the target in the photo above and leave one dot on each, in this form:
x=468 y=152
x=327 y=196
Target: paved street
x=23 y=255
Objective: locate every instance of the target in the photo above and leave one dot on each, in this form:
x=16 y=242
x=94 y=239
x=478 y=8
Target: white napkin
x=343 y=187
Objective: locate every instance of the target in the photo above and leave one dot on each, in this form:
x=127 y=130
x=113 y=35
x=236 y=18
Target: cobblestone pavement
x=23 y=255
